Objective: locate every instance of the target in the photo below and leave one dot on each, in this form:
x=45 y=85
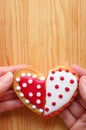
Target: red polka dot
x=78 y=80
x=46 y=109
x=77 y=88
x=51 y=78
x=71 y=101
x=49 y=94
x=60 y=110
x=61 y=78
x=60 y=96
x=53 y=72
x=67 y=89
x=67 y=70
x=56 y=86
x=60 y=69
x=71 y=81
x=53 y=103
x=65 y=106
x=74 y=73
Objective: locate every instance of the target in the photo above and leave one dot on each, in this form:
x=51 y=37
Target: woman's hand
x=8 y=98
x=75 y=115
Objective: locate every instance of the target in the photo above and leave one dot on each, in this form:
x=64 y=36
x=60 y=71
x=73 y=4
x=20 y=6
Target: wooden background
x=44 y=33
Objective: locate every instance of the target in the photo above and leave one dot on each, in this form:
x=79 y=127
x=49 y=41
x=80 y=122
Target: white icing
x=33 y=106
x=27 y=101
x=24 y=85
x=42 y=78
x=38 y=86
x=40 y=110
x=29 y=74
x=18 y=88
x=38 y=101
x=30 y=94
x=30 y=81
x=23 y=74
x=17 y=79
x=34 y=76
x=38 y=94
x=21 y=95
x=50 y=87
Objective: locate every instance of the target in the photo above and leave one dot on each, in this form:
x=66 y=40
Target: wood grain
x=44 y=33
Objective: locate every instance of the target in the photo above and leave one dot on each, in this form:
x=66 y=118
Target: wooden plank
x=44 y=33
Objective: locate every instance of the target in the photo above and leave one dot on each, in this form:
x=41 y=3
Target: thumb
x=82 y=87
x=5 y=82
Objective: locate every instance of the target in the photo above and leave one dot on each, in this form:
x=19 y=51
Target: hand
x=8 y=98
x=75 y=115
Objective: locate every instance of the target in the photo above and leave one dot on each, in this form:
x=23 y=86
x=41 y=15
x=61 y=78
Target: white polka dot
x=23 y=74
x=24 y=85
x=30 y=81
x=38 y=101
x=40 y=110
x=38 y=86
x=27 y=101
x=30 y=94
x=17 y=79
x=34 y=76
x=21 y=95
x=38 y=94
x=18 y=88
x=34 y=106
x=29 y=74
x=42 y=78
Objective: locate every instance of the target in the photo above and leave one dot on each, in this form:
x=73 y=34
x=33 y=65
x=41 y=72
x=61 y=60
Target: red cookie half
x=46 y=96
x=29 y=85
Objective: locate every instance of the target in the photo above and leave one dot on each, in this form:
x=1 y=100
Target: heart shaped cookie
x=49 y=95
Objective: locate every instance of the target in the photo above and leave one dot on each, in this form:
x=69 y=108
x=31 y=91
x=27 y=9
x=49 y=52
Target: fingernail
x=8 y=77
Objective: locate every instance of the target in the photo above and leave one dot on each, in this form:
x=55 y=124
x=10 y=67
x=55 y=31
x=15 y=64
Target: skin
x=75 y=115
x=7 y=96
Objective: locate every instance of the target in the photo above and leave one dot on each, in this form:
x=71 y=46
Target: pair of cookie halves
x=46 y=96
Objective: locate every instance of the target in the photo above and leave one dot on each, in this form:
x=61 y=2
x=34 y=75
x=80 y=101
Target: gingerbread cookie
x=49 y=95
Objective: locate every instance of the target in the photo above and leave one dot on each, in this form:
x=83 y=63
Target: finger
x=10 y=105
x=82 y=103
x=5 y=82
x=82 y=88
x=68 y=118
x=80 y=124
x=79 y=70
x=76 y=109
x=12 y=69
x=9 y=95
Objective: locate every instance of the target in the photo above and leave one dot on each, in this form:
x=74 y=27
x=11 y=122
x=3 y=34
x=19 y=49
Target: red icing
x=46 y=109
x=65 y=106
x=49 y=94
x=74 y=73
x=78 y=80
x=60 y=69
x=67 y=89
x=51 y=78
x=53 y=72
x=32 y=88
x=56 y=86
x=61 y=78
x=67 y=70
x=53 y=103
x=60 y=110
x=60 y=96
x=71 y=81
